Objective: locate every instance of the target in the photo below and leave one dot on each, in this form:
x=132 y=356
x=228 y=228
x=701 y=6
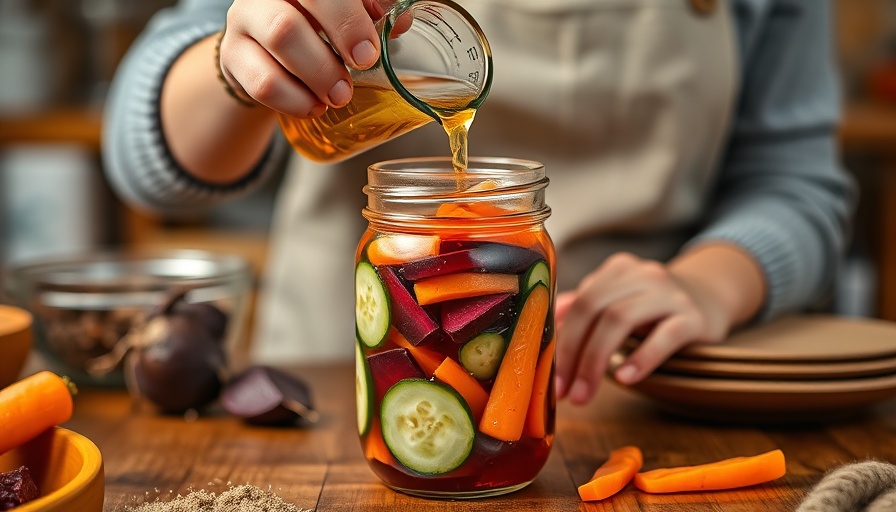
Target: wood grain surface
x=321 y=467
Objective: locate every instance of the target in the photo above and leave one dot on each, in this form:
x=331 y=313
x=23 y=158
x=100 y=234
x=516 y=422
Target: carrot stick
x=508 y=403
x=32 y=405
x=458 y=378
x=723 y=474
x=395 y=249
x=375 y=448
x=465 y=209
x=613 y=475
x=462 y=285
x=536 y=417
x=425 y=358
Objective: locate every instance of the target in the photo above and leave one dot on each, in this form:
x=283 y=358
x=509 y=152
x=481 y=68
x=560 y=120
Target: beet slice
x=488 y=257
x=464 y=318
x=411 y=320
x=389 y=367
x=17 y=488
x=263 y=395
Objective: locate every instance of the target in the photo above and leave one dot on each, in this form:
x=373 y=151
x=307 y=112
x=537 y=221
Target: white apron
x=627 y=103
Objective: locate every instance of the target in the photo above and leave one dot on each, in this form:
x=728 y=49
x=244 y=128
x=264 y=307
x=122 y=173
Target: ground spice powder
x=240 y=498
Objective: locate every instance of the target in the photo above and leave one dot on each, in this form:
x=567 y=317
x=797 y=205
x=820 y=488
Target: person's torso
x=626 y=102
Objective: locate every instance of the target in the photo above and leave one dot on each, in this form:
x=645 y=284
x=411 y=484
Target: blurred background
x=57 y=57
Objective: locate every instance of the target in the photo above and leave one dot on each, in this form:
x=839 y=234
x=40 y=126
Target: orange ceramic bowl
x=15 y=343
x=67 y=468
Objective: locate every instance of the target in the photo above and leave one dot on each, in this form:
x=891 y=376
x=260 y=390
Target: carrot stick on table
x=613 y=475
x=32 y=405
x=453 y=374
x=536 y=418
x=508 y=403
x=723 y=474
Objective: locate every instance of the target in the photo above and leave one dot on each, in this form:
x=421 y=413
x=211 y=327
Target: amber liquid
x=378 y=113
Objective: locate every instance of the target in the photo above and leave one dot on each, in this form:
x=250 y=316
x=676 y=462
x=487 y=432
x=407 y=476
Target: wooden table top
x=322 y=467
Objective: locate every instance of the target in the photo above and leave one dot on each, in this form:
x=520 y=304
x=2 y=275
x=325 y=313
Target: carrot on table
x=613 y=475
x=428 y=360
x=462 y=285
x=32 y=405
x=453 y=374
x=536 y=418
x=508 y=402
x=401 y=248
x=723 y=474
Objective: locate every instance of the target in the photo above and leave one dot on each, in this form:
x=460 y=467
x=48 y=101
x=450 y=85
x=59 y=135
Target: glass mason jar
x=455 y=287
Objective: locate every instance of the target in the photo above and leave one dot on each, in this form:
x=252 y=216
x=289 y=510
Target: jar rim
x=445 y=164
x=408 y=190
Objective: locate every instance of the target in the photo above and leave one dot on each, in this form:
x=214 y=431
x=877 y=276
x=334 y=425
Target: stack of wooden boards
x=799 y=368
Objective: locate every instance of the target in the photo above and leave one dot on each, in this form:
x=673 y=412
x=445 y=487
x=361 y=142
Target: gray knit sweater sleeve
x=782 y=193
x=135 y=156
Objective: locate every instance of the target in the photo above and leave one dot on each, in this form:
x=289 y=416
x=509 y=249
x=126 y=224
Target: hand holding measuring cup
x=272 y=51
x=341 y=78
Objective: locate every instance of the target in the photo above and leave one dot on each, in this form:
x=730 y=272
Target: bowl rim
x=91 y=468
x=19 y=275
x=16 y=320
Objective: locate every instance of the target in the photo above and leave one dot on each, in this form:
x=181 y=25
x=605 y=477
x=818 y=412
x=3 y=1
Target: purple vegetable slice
x=488 y=257
x=411 y=320
x=464 y=318
x=389 y=367
x=264 y=395
x=17 y=488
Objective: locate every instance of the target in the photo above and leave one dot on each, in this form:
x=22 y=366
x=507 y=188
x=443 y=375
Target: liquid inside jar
x=455 y=351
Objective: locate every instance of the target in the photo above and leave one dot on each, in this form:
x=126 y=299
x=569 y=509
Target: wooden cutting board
x=806 y=338
x=763 y=370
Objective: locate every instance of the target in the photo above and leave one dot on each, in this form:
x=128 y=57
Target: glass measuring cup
x=439 y=67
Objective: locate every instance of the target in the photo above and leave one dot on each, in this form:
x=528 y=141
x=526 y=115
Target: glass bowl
x=83 y=305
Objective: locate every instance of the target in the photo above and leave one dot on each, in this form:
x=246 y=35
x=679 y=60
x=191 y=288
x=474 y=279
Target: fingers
x=615 y=324
x=628 y=296
x=273 y=50
x=668 y=337
x=262 y=78
x=349 y=28
x=291 y=40
x=601 y=288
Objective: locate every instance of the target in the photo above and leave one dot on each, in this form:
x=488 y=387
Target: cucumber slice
x=427 y=426
x=482 y=355
x=538 y=273
x=372 y=310
x=363 y=385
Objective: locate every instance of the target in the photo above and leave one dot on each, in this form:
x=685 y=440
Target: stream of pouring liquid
x=457 y=126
